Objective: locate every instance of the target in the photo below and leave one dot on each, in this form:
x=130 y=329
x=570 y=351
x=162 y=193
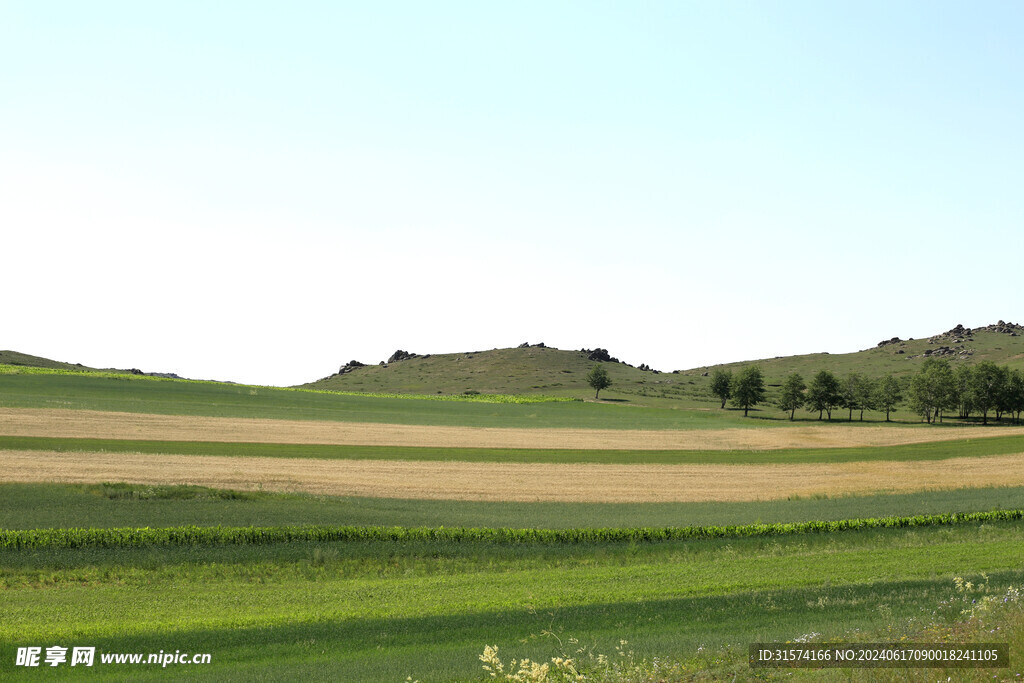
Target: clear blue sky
x=263 y=191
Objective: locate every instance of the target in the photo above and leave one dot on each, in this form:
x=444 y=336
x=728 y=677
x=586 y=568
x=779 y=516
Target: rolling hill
x=540 y=369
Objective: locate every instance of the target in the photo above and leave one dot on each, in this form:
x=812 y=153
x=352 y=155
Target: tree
x=721 y=385
x=856 y=393
x=962 y=377
x=1003 y=392
x=749 y=388
x=887 y=395
x=933 y=389
x=1015 y=394
x=598 y=379
x=987 y=385
x=792 y=394
x=824 y=393
x=866 y=396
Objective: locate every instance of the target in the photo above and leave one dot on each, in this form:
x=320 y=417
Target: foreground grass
x=37 y=506
x=385 y=610
x=972 y=613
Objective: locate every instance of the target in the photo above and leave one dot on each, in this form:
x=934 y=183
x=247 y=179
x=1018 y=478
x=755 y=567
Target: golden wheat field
x=110 y=425
x=518 y=482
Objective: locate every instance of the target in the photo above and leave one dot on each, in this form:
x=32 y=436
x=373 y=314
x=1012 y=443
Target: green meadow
x=376 y=609
x=386 y=610
x=126 y=393
x=935 y=450
x=48 y=506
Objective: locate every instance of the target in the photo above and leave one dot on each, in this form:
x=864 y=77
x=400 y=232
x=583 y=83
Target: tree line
x=983 y=389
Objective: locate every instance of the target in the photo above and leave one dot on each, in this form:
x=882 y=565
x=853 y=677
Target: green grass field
x=38 y=506
x=425 y=609
x=128 y=393
x=374 y=611
x=936 y=450
x=169 y=397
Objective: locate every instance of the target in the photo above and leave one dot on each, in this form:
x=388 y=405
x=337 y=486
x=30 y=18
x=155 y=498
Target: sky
x=261 y=192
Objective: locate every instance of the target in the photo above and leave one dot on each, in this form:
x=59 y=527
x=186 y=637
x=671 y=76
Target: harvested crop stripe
x=110 y=425
x=519 y=482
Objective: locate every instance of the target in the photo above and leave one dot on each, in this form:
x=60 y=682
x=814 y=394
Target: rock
x=401 y=355
x=600 y=355
x=900 y=351
x=350 y=366
x=524 y=345
x=886 y=342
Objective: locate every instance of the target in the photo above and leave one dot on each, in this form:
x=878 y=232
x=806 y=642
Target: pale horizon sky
x=260 y=192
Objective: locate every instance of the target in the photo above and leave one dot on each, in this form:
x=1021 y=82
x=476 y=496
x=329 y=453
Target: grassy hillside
x=563 y=373
x=516 y=371
x=140 y=394
x=25 y=360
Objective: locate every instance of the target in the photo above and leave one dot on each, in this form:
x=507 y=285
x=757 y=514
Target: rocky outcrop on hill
x=400 y=355
x=600 y=355
x=960 y=333
x=946 y=351
x=959 y=352
x=165 y=375
x=954 y=341
x=1011 y=329
x=350 y=366
x=528 y=345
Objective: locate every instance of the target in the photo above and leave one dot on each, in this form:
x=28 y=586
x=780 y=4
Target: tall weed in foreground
x=578 y=662
x=974 y=613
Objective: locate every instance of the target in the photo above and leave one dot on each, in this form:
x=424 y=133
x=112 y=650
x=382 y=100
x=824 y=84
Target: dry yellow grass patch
x=109 y=425
x=515 y=482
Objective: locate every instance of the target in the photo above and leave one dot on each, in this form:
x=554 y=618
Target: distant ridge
x=30 y=361
x=538 y=368
x=541 y=369
x=24 y=359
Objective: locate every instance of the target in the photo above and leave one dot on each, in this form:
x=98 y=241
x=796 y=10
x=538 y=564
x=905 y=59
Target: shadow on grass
x=447 y=647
